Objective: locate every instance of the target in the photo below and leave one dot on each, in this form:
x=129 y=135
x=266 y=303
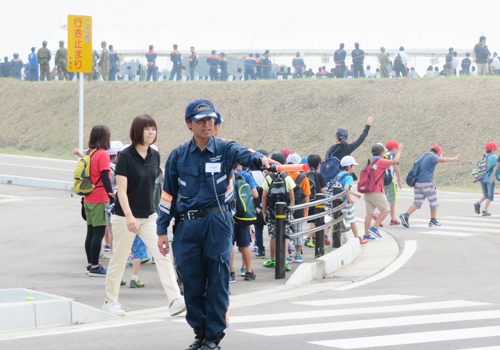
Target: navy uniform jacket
x=250 y=63
x=213 y=61
x=113 y=58
x=265 y=61
x=223 y=64
x=16 y=64
x=358 y=56
x=189 y=186
x=339 y=56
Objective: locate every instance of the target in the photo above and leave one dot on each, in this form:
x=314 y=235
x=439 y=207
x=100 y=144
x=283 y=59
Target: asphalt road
x=441 y=293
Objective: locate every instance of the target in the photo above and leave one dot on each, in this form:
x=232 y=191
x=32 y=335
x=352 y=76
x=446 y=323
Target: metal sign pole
x=80 y=124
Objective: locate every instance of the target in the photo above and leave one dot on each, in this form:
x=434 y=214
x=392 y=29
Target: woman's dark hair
x=100 y=137
x=314 y=160
x=140 y=123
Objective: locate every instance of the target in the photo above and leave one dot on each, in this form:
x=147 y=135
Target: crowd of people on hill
x=106 y=65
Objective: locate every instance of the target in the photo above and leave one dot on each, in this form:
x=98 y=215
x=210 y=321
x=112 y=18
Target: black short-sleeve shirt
x=141 y=174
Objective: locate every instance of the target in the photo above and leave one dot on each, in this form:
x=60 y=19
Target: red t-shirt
x=379 y=169
x=98 y=162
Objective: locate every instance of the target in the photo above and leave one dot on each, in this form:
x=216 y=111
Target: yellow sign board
x=80 y=44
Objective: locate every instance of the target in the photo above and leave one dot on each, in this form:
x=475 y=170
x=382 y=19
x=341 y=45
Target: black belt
x=200 y=213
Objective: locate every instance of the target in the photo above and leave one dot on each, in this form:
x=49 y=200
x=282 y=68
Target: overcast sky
x=442 y=23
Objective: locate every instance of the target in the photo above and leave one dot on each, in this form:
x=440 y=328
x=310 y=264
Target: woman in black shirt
x=135 y=214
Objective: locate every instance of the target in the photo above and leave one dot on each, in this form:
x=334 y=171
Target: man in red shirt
x=376 y=199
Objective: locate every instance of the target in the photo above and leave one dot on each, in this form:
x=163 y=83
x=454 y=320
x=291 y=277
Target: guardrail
x=319 y=230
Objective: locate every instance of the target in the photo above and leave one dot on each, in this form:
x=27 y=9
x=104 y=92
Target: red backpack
x=367 y=182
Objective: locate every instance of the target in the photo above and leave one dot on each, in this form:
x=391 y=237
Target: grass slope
x=301 y=115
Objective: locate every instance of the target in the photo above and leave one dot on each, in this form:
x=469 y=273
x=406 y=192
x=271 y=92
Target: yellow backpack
x=82 y=185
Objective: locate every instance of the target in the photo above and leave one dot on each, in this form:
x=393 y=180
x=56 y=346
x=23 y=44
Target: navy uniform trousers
x=202 y=250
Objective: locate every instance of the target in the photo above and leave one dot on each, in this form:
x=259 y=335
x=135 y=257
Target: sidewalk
x=43 y=245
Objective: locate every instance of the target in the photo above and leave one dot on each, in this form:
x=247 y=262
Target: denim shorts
x=488 y=190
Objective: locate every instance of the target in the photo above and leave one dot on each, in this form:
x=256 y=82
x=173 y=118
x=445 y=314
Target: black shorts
x=242 y=236
x=312 y=211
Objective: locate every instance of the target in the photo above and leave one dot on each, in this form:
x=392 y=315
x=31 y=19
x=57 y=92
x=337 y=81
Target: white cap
x=381 y=144
x=118 y=145
x=348 y=161
x=112 y=151
x=293 y=158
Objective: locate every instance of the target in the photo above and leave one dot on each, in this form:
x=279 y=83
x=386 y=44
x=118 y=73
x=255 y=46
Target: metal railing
x=319 y=230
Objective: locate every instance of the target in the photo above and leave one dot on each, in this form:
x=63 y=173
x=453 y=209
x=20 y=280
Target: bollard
x=337 y=228
x=319 y=249
x=279 y=272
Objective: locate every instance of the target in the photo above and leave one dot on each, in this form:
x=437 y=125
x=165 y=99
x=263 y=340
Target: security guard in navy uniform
x=199 y=189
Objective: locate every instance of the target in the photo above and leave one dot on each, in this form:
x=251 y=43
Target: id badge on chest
x=212 y=168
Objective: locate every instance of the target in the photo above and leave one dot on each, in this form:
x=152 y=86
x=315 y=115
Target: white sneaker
x=113 y=308
x=177 y=306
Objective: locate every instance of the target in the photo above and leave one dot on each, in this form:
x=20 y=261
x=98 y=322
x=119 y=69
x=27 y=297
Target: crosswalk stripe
x=411 y=338
x=475 y=224
x=450 y=233
x=409 y=249
x=373 y=323
x=480 y=219
x=358 y=311
x=486 y=348
x=344 y=301
x=460 y=228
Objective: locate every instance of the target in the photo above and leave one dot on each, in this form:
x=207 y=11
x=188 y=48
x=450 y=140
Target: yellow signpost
x=80 y=56
x=80 y=44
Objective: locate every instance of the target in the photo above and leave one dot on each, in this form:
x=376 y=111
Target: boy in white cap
x=346 y=178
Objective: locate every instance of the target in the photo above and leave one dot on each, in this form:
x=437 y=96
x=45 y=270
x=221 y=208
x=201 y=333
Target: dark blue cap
x=218 y=119
x=356 y=45
x=342 y=133
x=201 y=109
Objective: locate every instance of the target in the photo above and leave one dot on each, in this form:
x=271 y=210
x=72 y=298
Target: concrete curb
x=47 y=310
x=35 y=182
x=327 y=264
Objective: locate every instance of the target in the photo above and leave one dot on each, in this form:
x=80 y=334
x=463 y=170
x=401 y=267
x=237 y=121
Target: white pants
x=122 y=244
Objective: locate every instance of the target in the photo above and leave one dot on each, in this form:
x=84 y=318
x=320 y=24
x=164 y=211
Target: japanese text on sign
x=80 y=44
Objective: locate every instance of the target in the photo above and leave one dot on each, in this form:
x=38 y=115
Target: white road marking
x=409 y=250
x=411 y=338
x=38 y=158
x=460 y=228
x=487 y=348
x=42 y=332
x=465 y=222
x=480 y=219
x=344 y=301
x=372 y=323
x=358 y=311
x=451 y=233
x=37 y=167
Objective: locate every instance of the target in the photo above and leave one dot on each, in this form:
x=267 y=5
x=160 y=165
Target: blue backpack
x=330 y=167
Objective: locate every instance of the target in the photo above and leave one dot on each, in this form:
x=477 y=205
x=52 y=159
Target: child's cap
x=348 y=161
x=377 y=149
x=391 y=144
x=438 y=148
x=491 y=146
x=293 y=158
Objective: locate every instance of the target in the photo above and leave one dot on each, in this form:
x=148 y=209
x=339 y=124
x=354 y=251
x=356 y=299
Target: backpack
x=257 y=203
x=398 y=61
x=334 y=187
x=314 y=184
x=245 y=210
x=367 y=181
x=388 y=175
x=330 y=167
x=299 y=195
x=411 y=178
x=277 y=190
x=82 y=185
x=480 y=170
